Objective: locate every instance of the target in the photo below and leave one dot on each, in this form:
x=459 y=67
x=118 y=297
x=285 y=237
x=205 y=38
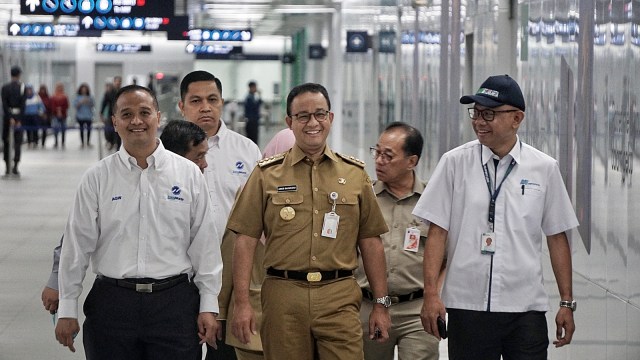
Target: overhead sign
x=174 y=24
x=122 y=48
x=220 y=35
x=50 y=29
x=357 y=41
x=160 y=8
x=212 y=49
x=32 y=46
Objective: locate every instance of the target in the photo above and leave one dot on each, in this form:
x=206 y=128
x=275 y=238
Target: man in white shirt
x=488 y=203
x=231 y=157
x=143 y=219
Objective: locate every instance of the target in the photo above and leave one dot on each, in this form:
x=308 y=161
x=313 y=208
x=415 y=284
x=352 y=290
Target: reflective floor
x=33 y=211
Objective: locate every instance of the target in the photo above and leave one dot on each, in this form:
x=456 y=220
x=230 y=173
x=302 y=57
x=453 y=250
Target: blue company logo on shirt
x=175 y=191
x=116 y=198
x=240 y=168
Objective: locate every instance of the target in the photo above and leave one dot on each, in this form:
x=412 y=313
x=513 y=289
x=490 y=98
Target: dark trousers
x=18 y=135
x=224 y=352
x=481 y=335
x=126 y=325
x=85 y=126
x=59 y=126
x=252 y=128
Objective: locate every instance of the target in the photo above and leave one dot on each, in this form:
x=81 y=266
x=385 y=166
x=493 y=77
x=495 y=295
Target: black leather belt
x=309 y=276
x=396 y=299
x=146 y=285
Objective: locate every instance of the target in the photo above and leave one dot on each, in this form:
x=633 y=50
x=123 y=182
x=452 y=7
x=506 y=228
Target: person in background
x=45 y=121
x=158 y=268
x=252 y=103
x=252 y=350
x=186 y=139
x=84 y=105
x=181 y=137
x=106 y=113
x=398 y=189
x=230 y=157
x=316 y=209
x=488 y=204
x=34 y=110
x=59 y=105
x=13 y=107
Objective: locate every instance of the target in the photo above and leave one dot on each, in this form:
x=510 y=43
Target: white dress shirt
x=533 y=200
x=134 y=223
x=231 y=158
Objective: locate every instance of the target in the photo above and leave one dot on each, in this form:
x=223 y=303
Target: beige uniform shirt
x=292 y=181
x=404 y=267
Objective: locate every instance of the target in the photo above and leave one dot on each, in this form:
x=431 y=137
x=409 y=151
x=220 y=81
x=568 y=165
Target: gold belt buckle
x=314 y=276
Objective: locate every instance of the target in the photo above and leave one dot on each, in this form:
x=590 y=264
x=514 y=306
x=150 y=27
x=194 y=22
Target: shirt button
x=313 y=258
x=392 y=270
x=344 y=200
x=315 y=212
x=287 y=201
x=315 y=234
x=395 y=226
x=394 y=247
x=315 y=189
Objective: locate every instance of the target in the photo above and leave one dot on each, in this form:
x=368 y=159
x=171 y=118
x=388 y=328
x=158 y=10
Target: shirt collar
x=219 y=136
x=155 y=159
x=515 y=152
x=296 y=155
x=418 y=186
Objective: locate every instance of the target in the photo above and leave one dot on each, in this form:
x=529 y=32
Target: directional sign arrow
x=14 y=29
x=87 y=21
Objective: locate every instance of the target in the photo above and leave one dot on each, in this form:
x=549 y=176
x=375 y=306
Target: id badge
x=412 y=239
x=330 y=225
x=488 y=243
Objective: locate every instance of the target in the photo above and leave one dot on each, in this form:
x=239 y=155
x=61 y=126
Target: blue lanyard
x=494 y=194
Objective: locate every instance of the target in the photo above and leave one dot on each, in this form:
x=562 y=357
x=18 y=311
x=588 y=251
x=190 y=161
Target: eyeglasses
x=375 y=154
x=304 y=117
x=486 y=114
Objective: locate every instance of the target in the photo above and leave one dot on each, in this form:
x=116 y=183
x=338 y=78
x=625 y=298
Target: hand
x=209 y=329
x=565 y=327
x=50 y=299
x=66 y=331
x=432 y=308
x=243 y=324
x=380 y=321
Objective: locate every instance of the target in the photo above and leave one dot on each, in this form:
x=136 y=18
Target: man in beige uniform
x=398 y=189
x=316 y=209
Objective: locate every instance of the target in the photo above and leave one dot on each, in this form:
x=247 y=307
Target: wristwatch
x=385 y=301
x=571 y=304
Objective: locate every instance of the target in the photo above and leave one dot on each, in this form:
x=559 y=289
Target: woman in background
x=84 y=105
x=33 y=110
x=59 y=107
x=45 y=120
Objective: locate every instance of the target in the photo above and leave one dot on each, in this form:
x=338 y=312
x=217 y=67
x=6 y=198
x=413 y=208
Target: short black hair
x=305 y=88
x=179 y=136
x=16 y=71
x=413 y=141
x=132 y=88
x=252 y=83
x=195 y=76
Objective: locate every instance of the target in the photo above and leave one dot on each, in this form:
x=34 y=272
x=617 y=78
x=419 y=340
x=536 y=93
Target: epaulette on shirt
x=275 y=159
x=352 y=159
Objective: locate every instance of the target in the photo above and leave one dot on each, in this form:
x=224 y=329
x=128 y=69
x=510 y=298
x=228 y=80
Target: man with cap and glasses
x=500 y=188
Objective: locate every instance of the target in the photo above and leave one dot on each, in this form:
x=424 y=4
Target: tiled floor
x=33 y=211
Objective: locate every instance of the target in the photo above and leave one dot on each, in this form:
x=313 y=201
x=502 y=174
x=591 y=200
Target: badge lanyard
x=494 y=194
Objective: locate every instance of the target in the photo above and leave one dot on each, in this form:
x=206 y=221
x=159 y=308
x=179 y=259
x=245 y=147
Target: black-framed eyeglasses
x=486 y=114
x=304 y=117
x=375 y=154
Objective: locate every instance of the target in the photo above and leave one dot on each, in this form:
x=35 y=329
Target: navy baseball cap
x=495 y=91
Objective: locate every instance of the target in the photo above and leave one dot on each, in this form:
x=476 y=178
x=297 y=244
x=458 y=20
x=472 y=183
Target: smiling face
x=499 y=135
x=136 y=119
x=202 y=105
x=310 y=137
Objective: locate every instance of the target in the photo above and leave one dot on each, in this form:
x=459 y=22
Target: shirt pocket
x=348 y=210
x=285 y=219
x=174 y=219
